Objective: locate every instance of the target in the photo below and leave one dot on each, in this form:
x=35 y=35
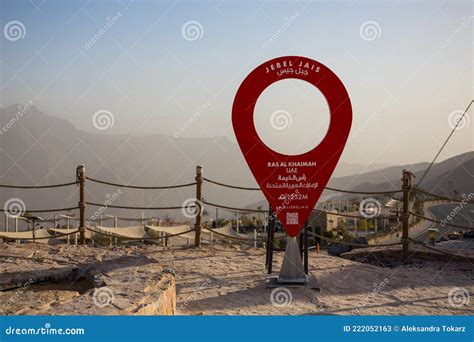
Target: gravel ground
x=229 y=280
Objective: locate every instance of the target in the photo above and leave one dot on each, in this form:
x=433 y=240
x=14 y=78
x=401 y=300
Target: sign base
x=272 y=282
x=292 y=272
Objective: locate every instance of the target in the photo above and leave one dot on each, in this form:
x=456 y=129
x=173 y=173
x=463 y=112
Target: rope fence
x=136 y=208
x=355 y=216
x=230 y=186
x=327 y=188
x=81 y=179
x=317 y=210
x=73 y=218
x=141 y=187
x=458 y=200
x=352 y=244
x=42 y=221
x=242 y=238
x=38 y=186
x=53 y=236
x=44 y=210
x=235 y=208
x=132 y=219
x=442 y=251
x=364 y=192
x=233 y=237
x=141 y=238
x=439 y=222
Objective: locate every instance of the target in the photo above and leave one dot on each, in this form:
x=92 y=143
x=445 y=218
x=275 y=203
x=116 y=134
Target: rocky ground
x=225 y=280
x=64 y=280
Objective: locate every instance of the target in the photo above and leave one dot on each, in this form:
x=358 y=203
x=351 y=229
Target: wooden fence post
x=68 y=225
x=406 y=188
x=111 y=243
x=81 y=177
x=197 y=224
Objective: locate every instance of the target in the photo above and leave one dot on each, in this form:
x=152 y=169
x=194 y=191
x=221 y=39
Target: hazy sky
x=406 y=65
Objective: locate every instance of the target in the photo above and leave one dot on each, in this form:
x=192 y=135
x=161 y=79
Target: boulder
x=469 y=234
x=360 y=240
x=338 y=249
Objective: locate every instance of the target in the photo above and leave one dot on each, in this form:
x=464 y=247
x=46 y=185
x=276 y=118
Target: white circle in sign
x=291 y=116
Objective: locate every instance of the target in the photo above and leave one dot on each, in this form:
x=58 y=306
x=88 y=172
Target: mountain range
x=39 y=149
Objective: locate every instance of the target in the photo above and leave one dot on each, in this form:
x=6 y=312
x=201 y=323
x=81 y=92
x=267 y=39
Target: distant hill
x=458 y=170
x=373 y=180
x=42 y=149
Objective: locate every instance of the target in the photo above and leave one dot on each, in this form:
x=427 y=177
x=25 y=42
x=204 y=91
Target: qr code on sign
x=291 y=218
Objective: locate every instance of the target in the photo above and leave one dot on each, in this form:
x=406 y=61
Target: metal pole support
x=81 y=177
x=270 y=237
x=406 y=188
x=255 y=238
x=197 y=224
x=305 y=247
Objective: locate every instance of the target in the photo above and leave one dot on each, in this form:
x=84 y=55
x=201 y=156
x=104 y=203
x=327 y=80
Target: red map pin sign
x=292 y=183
